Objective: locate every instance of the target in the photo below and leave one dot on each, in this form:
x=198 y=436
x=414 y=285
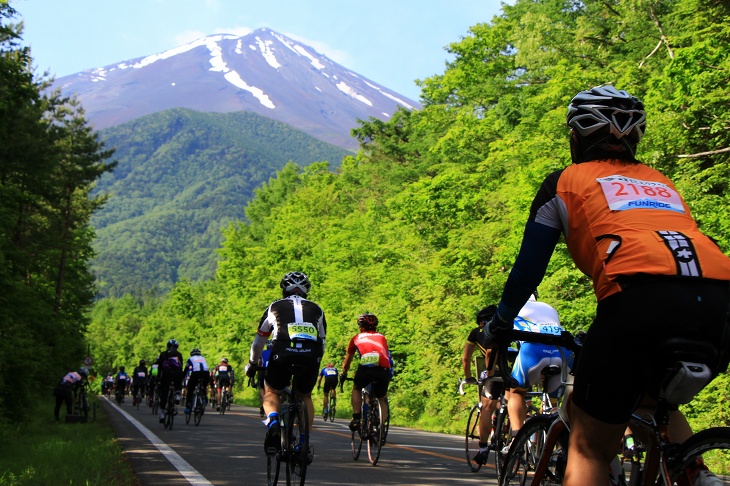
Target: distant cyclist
x=170 y=366
x=139 y=381
x=196 y=371
x=330 y=374
x=66 y=388
x=261 y=375
x=121 y=381
x=489 y=394
x=223 y=375
x=374 y=366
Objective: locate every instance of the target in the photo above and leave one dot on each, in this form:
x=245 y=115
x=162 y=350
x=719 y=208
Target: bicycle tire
x=223 y=404
x=273 y=466
x=520 y=461
x=375 y=431
x=198 y=408
x=501 y=438
x=156 y=404
x=170 y=409
x=297 y=440
x=332 y=408
x=359 y=433
x=713 y=445
x=471 y=442
x=229 y=402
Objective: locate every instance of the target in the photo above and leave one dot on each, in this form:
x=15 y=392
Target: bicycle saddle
x=682 y=367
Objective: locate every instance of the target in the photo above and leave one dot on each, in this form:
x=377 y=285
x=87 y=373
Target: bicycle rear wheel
x=501 y=439
x=375 y=431
x=198 y=409
x=524 y=453
x=712 y=446
x=224 y=403
x=298 y=445
x=471 y=444
x=331 y=411
x=273 y=465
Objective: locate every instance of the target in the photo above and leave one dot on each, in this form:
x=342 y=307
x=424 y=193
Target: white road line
x=188 y=471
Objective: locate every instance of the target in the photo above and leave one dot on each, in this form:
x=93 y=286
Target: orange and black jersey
x=618 y=219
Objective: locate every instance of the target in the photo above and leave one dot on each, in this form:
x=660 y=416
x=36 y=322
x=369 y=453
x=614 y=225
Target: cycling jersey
x=532 y=358
x=195 y=364
x=140 y=374
x=328 y=372
x=372 y=347
x=625 y=224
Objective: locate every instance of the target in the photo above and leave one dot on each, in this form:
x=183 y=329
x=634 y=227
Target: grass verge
x=45 y=452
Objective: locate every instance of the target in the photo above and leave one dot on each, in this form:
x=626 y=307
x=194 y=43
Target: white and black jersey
x=295 y=322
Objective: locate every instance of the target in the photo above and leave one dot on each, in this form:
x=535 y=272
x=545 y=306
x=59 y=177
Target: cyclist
x=66 y=388
x=121 y=381
x=626 y=226
x=170 y=366
x=153 y=379
x=329 y=373
x=488 y=395
x=532 y=358
x=107 y=385
x=375 y=366
x=139 y=381
x=297 y=328
x=196 y=371
x=223 y=375
x=261 y=374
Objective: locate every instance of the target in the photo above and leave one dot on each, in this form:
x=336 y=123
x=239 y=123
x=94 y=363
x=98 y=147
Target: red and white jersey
x=372 y=347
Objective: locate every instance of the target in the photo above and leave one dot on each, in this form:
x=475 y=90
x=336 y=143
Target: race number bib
x=302 y=330
x=624 y=193
x=550 y=329
x=370 y=359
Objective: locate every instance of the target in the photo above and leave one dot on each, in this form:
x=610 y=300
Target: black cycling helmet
x=83 y=372
x=367 y=321
x=608 y=120
x=195 y=352
x=172 y=344
x=486 y=314
x=295 y=283
x=224 y=360
x=121 y=368
x=142 y=362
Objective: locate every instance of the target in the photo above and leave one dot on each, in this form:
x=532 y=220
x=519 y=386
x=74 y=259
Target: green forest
x=181 y=177
x=422 y=225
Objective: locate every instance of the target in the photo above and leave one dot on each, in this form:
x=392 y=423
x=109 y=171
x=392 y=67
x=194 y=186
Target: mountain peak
x=262 y=71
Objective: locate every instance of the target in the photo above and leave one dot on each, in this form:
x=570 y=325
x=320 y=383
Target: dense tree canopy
x=49 y=159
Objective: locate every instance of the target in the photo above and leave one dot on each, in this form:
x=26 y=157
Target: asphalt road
x=228 y=450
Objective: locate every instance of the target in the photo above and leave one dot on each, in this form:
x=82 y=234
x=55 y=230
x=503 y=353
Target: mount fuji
x=263 y=72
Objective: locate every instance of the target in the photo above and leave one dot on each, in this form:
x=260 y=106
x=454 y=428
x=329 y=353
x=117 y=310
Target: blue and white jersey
x=541 y=318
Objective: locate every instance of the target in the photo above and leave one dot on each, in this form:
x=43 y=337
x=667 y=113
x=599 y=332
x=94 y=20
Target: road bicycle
x=155 y=399
x=331 y=407
x=373 y=427
x=81 y=403
x=226 y=399
x=170 y=408
x=138 y=396
x=657 y=460
x=294 y=451
x=119 y=395
x=198 y=405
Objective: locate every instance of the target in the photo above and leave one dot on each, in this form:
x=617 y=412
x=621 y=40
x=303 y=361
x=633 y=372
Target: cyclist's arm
x=466 y=359
x=346 y=363
x=538 y=244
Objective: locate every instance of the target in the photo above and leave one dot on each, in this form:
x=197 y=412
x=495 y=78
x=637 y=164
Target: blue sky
x=391 y=42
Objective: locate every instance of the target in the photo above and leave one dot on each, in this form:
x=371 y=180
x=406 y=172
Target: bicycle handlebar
x=343 y=379
x=563 y=340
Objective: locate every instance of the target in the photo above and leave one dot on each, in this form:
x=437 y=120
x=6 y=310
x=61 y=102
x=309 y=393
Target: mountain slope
x=182 y=176
x=262 y=72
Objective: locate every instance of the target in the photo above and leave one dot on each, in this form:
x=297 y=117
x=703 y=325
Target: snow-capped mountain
x=263 y=72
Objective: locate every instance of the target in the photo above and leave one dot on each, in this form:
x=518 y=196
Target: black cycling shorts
x=618 y=348
x=378 y=376
x=278 y=372
x=330 y=383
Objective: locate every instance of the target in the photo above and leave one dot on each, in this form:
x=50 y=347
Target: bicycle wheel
x=273 y=465
x=298 y=445
x=501 y=439
x=356 y=444
x=520 y=461
x=471 y=442
x=198 y=408
x=712 y=446
x=224 y=403
x=375 y=431
x=229 y=401
x=156 y=404
x=331 y=411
